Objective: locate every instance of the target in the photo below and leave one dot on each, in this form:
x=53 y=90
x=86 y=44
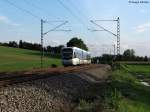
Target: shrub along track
x=11 y=78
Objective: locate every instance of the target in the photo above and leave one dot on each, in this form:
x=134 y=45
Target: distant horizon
x=65 y=45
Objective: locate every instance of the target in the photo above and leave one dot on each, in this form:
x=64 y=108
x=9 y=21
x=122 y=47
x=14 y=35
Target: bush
x=54 y=66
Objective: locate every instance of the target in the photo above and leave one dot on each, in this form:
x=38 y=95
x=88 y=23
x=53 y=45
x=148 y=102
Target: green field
x=15 y=59
x=133 y=96
x=137 y=68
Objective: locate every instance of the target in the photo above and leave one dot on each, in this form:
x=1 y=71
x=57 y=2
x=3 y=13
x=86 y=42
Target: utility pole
x=114 y=49
x=61 y=23
x=114 y=57
x=104 y=29
x=42 y=49
x=118 y=41
x=118 y=36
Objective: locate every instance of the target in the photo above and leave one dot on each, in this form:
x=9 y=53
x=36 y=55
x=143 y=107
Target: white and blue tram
x=75 y=56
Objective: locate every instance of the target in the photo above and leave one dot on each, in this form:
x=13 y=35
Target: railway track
x=7 y=79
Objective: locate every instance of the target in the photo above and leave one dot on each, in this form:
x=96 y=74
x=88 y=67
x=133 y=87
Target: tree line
x=33 y=46
x=128 y=55
x=22 y=44
x=74 y=42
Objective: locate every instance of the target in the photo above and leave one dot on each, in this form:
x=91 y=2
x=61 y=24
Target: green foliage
x=13 y=44
x=53 y=65
x=135 y=96
x=124 y=93
x=75 y=42
x=55 y=50
x=33 y=46
x=15 y=59
x=104 y=59
x=129 y=53
x=127 y=105
x=112 y=99
x=89 y=106
x=85 y=106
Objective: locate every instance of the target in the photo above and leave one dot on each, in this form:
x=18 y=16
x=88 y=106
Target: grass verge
x=124 y=93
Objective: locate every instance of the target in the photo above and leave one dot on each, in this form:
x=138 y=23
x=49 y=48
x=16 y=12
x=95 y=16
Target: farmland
x=137 y=68
x=131 y=95
x=15 y=59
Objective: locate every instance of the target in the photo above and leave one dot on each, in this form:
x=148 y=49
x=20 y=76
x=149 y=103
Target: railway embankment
x=59 y=93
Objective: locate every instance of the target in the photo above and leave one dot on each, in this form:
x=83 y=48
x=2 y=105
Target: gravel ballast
x=52 y=94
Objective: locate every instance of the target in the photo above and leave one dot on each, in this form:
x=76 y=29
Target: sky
x=20 y=20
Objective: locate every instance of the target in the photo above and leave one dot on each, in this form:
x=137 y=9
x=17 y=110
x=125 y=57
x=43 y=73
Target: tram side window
x=85 y=54
x=80 y=54
x=87 y=57
x=75 y=55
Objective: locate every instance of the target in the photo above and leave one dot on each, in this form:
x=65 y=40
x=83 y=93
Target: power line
x=45 y=33
x=31 y=4
x=37 y=7
x=54 y=29
x=104 y=20
x=77 y=9
x=23 y=10
x=85 y=17
x=103 y=29
x=71 y=13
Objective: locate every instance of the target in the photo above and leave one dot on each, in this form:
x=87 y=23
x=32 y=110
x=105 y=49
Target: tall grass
x=135 y=96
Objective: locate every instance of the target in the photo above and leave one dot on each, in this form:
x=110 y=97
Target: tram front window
x=67 y=53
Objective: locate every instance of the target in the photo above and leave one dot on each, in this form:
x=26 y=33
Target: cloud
x=142 y=28
x=6 y=20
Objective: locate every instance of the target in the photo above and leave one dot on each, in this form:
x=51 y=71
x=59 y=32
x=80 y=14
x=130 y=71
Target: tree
x=48 y=48
x=55 y=50
x=129 y=54
x=12 y=44
x=75 y=42
x=145 y=58
x=20 y=44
